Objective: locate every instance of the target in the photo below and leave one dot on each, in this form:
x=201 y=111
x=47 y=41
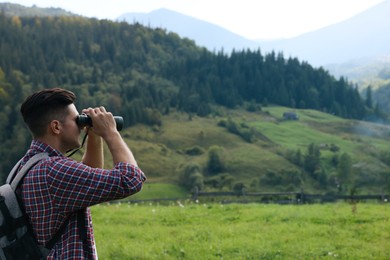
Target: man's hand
x=103 y=122
x=104 y=125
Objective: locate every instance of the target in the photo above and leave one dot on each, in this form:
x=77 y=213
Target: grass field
x=250 y=231
x=189 y=230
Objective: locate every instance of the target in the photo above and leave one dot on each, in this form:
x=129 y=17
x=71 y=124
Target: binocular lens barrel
x=84 y=120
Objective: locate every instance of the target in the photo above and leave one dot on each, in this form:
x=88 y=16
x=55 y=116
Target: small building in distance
x=290 y=116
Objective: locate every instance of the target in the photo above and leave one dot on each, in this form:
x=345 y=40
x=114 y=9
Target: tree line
x=142 y=73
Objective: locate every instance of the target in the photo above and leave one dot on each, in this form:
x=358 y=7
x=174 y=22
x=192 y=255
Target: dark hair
x=44 y=106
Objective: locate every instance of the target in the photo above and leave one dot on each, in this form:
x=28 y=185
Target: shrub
x=195 y=150
x=191 y=176
x=215 y=162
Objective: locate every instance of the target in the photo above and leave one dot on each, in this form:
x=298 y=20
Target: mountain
x=361 y=37
x=204 y=34
x=357 y=48
x=196 y=115
x=364 y=36
x=372 y=72
x=143 y=73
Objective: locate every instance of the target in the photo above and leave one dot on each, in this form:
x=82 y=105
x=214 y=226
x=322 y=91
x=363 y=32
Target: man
x=57 y=192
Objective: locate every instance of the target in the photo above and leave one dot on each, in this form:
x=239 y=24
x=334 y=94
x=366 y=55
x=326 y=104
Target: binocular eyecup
x=84 y=120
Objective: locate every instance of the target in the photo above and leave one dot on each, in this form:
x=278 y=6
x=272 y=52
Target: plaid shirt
x=57 y=187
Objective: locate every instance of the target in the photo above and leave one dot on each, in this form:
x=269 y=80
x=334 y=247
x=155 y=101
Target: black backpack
x=16 y=237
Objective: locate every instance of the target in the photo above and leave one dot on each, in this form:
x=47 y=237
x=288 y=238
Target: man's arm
x=93 y=155
x=119 y=150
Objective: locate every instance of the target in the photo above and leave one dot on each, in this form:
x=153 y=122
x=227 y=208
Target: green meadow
x=188 y=230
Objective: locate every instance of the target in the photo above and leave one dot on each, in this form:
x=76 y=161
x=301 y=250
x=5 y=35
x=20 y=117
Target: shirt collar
x=40 y=147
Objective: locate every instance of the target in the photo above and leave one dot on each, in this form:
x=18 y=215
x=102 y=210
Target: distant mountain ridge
x=213 y=37
x=350 y=48
x=364 y=36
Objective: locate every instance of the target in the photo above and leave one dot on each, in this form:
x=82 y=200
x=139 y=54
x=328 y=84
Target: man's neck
x=52 y=141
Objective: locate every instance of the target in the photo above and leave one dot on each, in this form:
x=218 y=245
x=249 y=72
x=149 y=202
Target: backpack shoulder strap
x=14 y=181
x=13 y=171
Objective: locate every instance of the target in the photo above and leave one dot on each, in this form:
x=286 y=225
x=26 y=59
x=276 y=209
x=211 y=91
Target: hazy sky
x=253 y=19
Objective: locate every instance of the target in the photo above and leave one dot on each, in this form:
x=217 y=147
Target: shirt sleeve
x=74 y=185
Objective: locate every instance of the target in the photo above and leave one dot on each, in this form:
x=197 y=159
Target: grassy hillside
x=164 y=152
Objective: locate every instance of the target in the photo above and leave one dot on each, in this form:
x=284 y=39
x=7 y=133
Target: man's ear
x=55 y=127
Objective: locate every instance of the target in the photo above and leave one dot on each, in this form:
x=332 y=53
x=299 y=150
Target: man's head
x=47 y=110
x=42 y=107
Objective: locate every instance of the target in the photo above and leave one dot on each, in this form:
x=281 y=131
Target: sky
x=253 y=19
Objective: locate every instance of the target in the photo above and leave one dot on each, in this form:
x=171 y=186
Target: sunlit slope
x=163 y=151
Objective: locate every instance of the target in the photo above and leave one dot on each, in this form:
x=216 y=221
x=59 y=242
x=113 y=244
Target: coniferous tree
x=312 y=159
x=369 y=103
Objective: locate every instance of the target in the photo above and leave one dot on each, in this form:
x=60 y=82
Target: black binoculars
x=84 y=120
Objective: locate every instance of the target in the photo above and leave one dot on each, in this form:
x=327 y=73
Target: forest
x=143 y=73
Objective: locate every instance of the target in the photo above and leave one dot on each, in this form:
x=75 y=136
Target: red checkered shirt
x=57 y=187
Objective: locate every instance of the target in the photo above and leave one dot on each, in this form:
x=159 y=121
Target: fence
x=268 y=197
x=285 y=197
